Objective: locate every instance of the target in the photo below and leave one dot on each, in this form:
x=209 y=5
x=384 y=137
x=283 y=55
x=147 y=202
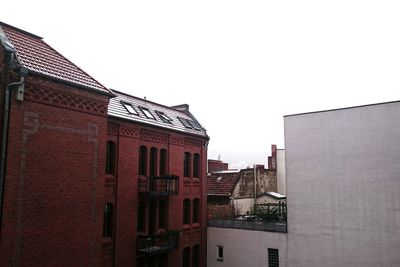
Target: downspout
x=4 y=137
x=255 y=187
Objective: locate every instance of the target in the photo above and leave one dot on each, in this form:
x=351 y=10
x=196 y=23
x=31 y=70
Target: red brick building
x=92 y=176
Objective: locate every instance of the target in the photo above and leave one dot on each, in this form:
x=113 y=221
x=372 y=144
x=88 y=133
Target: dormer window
x=130 y=108
x=164 y=117
x=147 y=113
x=185 y=123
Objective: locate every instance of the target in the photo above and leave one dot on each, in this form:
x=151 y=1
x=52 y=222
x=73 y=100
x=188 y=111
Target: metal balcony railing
x=159 y=185
x=280 y=227
x=156 y=244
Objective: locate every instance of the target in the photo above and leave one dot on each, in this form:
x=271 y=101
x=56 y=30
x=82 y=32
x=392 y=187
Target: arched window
x=186 y=257
x=186 y=164
x=186 y=211
x=153 y=161
x=110 y=158
x=196 y=165
x=196 y=210
x=163 y=162
x=162 y=214
x=141 y=217
x=196 y=256
x=108 y=220
x=143 y=160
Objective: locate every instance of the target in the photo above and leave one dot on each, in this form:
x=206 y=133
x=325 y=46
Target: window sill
x=186 y=227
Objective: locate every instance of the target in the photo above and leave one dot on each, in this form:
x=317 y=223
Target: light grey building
x=343 y=194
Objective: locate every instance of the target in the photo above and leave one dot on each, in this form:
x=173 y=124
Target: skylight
x=147 y=113
x=195 y=125
x=185 y=123
x=130 y=108
x=164 y=117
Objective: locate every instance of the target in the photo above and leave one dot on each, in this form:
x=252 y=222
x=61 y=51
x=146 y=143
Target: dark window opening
x=220 y=253
x=196 y=256
x=108 y=220
x=195 y=125
x=110 y=158
x=273 y=257
x=153 y=217
x=196 y=210
x=141 y=218
x=153 y=161
x=185 y=123
x=143 y=160
x=162 y=214
x=186 y=211
x=163 y=162
x=164 y=117
x=196 y=165
x=186 y=164
x=186 y=257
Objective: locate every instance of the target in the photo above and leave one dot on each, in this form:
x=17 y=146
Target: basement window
x=130 y=108
x=147 y=113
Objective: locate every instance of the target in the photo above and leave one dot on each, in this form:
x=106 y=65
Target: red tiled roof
x=223 y=186
x=39 y=58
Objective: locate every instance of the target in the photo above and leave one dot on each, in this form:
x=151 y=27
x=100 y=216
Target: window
x=164 y=117
x=273 y=257
x=196 y=165
x=108 y=220
x=196 y=256
x=163 y=162
x=185 y=123
x=186 y=211
x=153 y=161
x=130 y=108
x=110 y=158
x=141 y=217
x=196 y=210
x=143 y=160
x=186 y=164
x=195 y=125
x=147 y=113
x=220 y=253
x=186 y=257
x=162 y=214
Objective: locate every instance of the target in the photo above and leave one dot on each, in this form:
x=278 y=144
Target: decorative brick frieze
x=129 y=131
x=112 y=129
x=154 y=136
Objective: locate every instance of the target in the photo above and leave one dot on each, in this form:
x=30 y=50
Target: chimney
x=272 y=158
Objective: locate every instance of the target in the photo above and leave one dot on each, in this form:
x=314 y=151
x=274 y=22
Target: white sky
x=240 y=65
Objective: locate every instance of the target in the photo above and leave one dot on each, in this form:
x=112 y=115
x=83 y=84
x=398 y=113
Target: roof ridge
x=151 y=102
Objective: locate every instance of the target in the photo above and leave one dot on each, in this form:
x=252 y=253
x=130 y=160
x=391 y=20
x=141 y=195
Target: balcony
x=159 y=185
x=148 y=245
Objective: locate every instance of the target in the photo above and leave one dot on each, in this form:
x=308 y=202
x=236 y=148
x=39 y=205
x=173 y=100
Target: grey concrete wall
x=243 y=248
x=281 y=171
x=343 y=187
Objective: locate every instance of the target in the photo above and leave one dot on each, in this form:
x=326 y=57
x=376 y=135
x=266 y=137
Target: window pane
x=186 y=211
x=196 y=256
x=220 y=253
x=196 y=210
x=186 y=257
x=110 y=158
x=163 y=162
x=143 y=160
x=108 y=220
x=153 y=161
x=196 y=165
x=162 y=214
x=141 y=218
x=273 y=257
x=186 y=164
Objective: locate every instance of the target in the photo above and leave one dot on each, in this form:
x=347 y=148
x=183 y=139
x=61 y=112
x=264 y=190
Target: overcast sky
x=240 y=65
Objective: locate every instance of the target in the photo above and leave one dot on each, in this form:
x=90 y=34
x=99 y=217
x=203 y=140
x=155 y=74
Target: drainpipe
x=255 y=187
x=4 y=134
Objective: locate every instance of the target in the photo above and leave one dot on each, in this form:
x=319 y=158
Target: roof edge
x=20 y=30
x=336 y=109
